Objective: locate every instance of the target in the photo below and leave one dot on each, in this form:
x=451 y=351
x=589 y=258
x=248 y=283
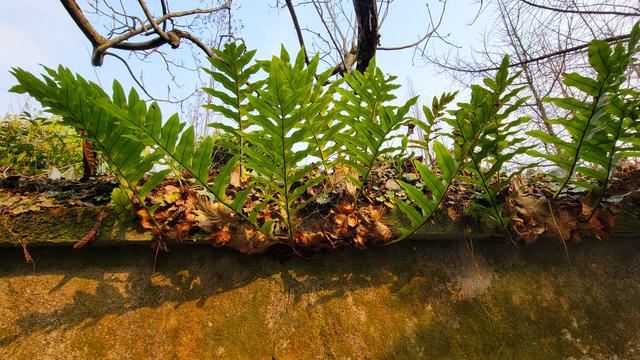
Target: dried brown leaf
x=453 y=214
x=249 y=241
x=92 y=234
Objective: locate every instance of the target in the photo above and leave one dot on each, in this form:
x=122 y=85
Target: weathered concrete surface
x=414 y=300
x=65 y=226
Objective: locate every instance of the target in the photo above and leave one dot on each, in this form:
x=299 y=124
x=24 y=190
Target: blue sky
x=39 y=32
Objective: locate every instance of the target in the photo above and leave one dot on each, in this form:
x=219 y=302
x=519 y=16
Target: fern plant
x=430 y=126
x=627 y=107
x=131 y=137
x=292 y=118
x=172 y=141
x=370 y=124
x=595 y=130
x=485 y=139
x=281 y=140
x=437 y=185
x=322 y=124
x=232 y=70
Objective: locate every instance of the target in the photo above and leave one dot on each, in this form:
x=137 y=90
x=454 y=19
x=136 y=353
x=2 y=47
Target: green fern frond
x=485 y=138
x=73 y=98
x=430 y=125
x=596 y=139
x=438 y=186
x=369 y=122
x=282 y=109
x=322 y=124
x=172 y=141
x=233 y=70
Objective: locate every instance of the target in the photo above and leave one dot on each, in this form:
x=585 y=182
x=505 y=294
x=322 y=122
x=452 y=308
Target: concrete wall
x=413 y=300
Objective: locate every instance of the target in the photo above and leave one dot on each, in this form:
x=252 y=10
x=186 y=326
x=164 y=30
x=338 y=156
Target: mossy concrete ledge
x=67 y=225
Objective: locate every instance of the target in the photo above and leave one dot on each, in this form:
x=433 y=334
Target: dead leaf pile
x=175 y=210
x=571 y=215
x=527 y=209
x=24 y=194
x=224 y=228
x=168 y=220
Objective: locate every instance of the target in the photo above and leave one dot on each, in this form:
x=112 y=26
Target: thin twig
x=579 y=11
x=564 y=243
x=296 y=25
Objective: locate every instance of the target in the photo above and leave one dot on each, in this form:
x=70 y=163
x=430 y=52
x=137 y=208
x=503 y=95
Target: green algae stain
x=528 y=313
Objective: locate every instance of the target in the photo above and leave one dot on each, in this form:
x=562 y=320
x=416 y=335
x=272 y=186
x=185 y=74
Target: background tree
x=544 y=41
x=348 y=34
x=144 y=30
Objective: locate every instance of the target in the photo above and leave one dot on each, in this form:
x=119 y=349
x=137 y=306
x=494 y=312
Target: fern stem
x=446 y=188
x=608 y=169
x=492 y=200
x=240 y=127
x=376 y=152
x=576 y=156
x=372 y=118
x=478 y=171
x=435 y=208
x=323 y=159
x=285 y=172
x=366 y=176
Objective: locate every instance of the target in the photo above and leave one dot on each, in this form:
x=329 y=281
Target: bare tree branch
x=537 y=58
x=360 y=20
x=141 y=84
x=83 y=23
x=347 y=59
x=133 y=76
x=580 y=11
x=428 y=35
x=101 y=44
x=296 y=25
x=173 y=40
